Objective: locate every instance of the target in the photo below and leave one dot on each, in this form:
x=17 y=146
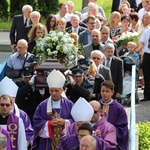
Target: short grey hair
x=97 y=52
x=92 y=140
x=3 y=140
x=109 y=46
x=27 y=6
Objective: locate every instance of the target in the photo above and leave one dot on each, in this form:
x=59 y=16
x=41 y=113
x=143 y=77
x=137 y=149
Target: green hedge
x=16 y=6
x=3 y=9
x=144 y=135
x=46 y=7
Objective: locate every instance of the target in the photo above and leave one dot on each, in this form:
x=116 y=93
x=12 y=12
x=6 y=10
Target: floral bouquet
x=126 y=37
x=57 y=45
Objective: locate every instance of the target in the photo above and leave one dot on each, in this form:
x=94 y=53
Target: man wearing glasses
x=98 y=58
x=12 y=123
x=84 y=37
x=18 y=61
x=102 y=127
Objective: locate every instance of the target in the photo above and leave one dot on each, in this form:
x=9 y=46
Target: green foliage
x=46 y=7
x=16 y=6
x=144 y=135
x=3 y=10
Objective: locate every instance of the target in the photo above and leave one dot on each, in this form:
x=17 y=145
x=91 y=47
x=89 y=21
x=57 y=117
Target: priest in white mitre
x=12 y=90
x=52 y=116
x=10 y=122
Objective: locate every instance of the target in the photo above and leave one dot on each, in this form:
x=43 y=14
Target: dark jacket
x=84 y=90
x=26 y=98
x=17 y=31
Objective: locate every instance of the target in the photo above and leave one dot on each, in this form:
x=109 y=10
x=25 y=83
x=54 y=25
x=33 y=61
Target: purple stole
x=12 y=128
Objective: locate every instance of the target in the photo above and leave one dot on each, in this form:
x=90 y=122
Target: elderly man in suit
x=84 y=37
x=95 y=43
x=75 y=27
x=98 y=58
x=17 y=31
x=116 y=66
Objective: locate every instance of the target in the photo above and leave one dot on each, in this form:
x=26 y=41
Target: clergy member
x=11 y=90
x=115 y=114
x=13 y=124
x=82 y=113
x=52 y=116
x=5 y=133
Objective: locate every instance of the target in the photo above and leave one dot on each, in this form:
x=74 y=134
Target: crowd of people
x=81 y=107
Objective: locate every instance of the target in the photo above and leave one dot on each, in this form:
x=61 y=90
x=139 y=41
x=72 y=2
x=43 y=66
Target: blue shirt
x=16 y=62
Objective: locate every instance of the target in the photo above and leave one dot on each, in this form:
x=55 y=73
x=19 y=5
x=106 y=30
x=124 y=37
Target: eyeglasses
x=20 y=47
x=105 y=33
x=96 y=58
x=96 y=111
x=92 y=22
x=7 y=105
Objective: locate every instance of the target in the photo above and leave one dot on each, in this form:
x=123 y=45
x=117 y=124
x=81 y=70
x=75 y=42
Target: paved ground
x=4 y=37
x=142 y=109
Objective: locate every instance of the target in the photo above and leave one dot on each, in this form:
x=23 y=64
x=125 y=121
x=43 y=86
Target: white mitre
x=82 y=110
x=55 y=79
x=8 y=86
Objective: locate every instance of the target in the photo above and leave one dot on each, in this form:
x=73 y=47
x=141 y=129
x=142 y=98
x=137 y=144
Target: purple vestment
x=41 y=117
x=118 y=117
x=108 y=132
x=6 y=133
x=12 y=128
x=28 y=127
x=72 y=141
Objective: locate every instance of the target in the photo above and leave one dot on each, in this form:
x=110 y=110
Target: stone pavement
x=4 y=41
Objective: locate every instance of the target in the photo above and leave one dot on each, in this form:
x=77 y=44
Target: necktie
x=75 y=30
x=107 y=63
x=25 y=24
x=149 y=43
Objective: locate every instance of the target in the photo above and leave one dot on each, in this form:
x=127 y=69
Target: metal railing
x=133 y=142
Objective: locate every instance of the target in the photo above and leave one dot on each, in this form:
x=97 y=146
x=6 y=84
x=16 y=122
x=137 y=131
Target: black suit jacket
x=117 y=74
x=69 y=29
x=17 y=31
x=115 y=5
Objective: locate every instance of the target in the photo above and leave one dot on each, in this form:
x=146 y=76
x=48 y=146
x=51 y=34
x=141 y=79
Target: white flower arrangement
x=57 y=45
x=126 y=37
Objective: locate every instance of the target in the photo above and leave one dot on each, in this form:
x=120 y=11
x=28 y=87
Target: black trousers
x=146 y=73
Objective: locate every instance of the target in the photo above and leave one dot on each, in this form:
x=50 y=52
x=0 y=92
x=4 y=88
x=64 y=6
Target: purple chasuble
x=6 y=133
x=41 y=117
x=108 y=132
x=28 y=127
x=118 y=117
x=12 y=128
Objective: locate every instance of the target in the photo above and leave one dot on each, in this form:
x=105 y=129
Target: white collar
x=52 y=104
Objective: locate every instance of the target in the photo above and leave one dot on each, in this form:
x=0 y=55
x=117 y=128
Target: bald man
x=102 y=127
x=95 y=43
x=18 y=60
